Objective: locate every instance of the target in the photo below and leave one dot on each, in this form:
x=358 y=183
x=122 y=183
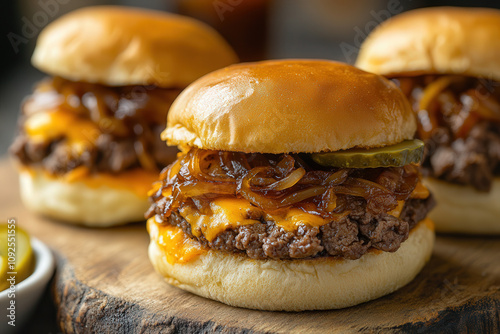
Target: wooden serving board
x=105 y=284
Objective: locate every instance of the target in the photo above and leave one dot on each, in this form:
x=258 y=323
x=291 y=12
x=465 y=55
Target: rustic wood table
x=104 y=283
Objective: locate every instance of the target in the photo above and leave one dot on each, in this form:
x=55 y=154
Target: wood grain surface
x=105 y=284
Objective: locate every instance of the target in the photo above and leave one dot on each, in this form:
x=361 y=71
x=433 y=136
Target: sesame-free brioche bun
x=463 y=209
x=83 y=202
x=290 y=106
x=438 y=40
x=296 y=285
x=120 y=46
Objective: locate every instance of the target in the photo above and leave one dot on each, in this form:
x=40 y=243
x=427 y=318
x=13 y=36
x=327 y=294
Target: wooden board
x=105 y=284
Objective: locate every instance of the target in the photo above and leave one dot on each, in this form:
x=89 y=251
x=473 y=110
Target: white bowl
x=29 y=291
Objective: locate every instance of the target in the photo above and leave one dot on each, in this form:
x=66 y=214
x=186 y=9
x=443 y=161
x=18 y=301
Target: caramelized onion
x=407 y=184
x=485 y=106
x=171 y=171
x=259 y=181
x=253 y=197
x=301 y=195
x=329 y=200
x=117 y=113
x=203 y=188
x=197 y=158
x=312 y=208
x=365 y=187
x=233 y=163
x=433 y=89
x=286 y=165
x=288 y=181
x=337 y=177
x=456 y=103
x=274 y=182
x=145 y=159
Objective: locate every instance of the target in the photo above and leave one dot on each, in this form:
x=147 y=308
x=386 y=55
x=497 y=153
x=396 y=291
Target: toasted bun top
x=289 y=106
x=120 y=46
x=445 y=40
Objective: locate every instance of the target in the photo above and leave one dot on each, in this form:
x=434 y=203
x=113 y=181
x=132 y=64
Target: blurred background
x=257 y=29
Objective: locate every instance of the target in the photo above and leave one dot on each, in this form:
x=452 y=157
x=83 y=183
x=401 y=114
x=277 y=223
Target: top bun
x=290 y=106
x=119 y=46
x=438 y=40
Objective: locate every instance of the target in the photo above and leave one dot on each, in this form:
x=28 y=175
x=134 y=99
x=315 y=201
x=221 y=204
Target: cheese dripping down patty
x=230 y=213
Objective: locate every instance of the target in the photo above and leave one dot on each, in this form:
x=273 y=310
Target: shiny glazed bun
x=119 y=46
x=463 y=209
x=296 y=285
x=443 y=40
x=290 y=106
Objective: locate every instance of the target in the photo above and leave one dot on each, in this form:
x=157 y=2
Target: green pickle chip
x=404 y=153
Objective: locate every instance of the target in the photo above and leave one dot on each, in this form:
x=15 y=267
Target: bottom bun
x=463 y=209
x=78 y=203
x=297 y=285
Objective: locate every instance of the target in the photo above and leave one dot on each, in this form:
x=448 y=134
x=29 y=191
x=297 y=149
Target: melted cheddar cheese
x=229 y=213
x=175 y=244
x=50 y=125
x=397 y=211
x=80 y=134
x=136 y=180
x=420 y=191
x=294 y=218
x=226 y=213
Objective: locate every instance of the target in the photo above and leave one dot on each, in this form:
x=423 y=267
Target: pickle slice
x=24 y=257
x=404 y=153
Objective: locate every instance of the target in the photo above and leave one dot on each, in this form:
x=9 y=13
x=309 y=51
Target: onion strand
x=274 y=182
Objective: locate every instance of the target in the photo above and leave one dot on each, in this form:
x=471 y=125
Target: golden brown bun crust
x=463 y=209
x=77 y=203
x=450 y=40
x=120 y=46
x=289 y=106
x=297 y=285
